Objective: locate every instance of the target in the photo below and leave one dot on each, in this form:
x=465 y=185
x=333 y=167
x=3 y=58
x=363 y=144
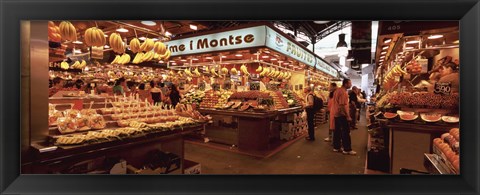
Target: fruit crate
x=447 y=165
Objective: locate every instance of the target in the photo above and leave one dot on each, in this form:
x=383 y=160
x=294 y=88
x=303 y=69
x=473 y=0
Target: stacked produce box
x=296 y=126
x=321 y=117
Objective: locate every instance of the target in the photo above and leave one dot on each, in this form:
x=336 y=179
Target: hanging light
x=412 y=41
x=142 y=38
x=193 y=27
x=106 y=46
x=350 y=59
x=155 y=39
x=387 y=41
x=384 y=48
x=105 y=35
x=383 y=52
x=121 y=29
x=273 y=59
x=149 y=23
x=168 y=33
x=208 y=58
x=321 y=22
x=238 y=55
x=435 y=36
x=409 y=47
x=341 y=42
x=381 y=57
x=265 y=56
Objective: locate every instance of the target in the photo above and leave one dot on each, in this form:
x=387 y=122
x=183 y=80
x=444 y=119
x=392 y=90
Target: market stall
x=419 y=99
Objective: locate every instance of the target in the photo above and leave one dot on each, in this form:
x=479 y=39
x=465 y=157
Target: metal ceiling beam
x=332 y=28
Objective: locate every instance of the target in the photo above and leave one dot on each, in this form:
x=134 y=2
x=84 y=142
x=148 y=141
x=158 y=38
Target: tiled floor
x=302 y=157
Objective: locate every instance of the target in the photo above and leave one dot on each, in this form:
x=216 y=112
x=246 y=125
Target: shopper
x=360 y=101
x=308 y=105
x=331 y=118
x=57 y=85
x=353 y=106
x=142 y=93
x=119 y=88
x=156 y=93
x=340 y=109
x=173 y=95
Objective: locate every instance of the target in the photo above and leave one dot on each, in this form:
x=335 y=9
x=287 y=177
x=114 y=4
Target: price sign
x=443 y=88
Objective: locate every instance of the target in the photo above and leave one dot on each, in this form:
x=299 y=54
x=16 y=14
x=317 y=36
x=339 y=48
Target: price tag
x=443 y=88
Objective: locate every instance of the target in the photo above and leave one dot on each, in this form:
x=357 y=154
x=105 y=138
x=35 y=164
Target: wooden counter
x=249 y=130
x=409 y=141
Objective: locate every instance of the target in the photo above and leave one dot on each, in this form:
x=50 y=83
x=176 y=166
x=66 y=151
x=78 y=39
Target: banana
x=243 y=68
x=147 y=45
x=171 y=73
x=83 y=64
x=206 y=69
x=64 y=65
x=224 y=70
x=156 y=56
x=116 y=43
x=196 y=71
x=165 y=56
x=126 y=58
x=135 y=45
x=259 y=69
x=76 y=64
x=264 y=71
x=212 y=70
x=68 y=31
x=117 y=58
x=159 y=48
x=138 y=58
x=95 y=37
x=280 y=76
x=233 y=71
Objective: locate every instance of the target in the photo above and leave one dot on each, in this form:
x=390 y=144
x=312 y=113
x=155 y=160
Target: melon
x=244 y=107
x=389 y=115
x=450 y=119
x=408 y=117
x=431 y=117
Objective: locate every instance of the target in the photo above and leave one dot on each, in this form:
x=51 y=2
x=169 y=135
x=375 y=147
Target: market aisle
x=302 y=157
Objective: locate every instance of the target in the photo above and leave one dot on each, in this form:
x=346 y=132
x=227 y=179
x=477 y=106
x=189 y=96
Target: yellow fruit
x=68 y=31
x=135 y=45
x=159 y=48
x=94 y=37
x=259 y=69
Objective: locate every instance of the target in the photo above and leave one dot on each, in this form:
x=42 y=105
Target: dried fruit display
x=424 y=100
x=250 y=95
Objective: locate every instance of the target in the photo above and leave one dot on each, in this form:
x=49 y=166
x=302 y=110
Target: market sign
x=235 y=39
x=443 y=88
x=325 y=67
x=281 y=44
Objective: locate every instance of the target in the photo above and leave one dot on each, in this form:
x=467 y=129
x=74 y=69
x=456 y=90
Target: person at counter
x=57 y=85
x=340 y=109
x=263 y=83
x=156 y=93
x=173 y=95
x=308 y=105
x=119 y=88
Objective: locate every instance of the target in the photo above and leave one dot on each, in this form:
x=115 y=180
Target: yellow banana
x=159 y=48
x=138 y=58
x=83 y=64
x=259 y=69
x=233 y=71
x=135 y=45
x=206 y=69
x=214 y=73
x=224 y=70
x=117 y=58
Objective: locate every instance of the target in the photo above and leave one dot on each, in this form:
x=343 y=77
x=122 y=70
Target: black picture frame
x=12 y=12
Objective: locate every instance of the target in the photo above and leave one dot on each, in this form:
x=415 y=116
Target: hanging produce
x=148 y=56
x=159 y=48
x=165 y=56
x=121 y=59
x=259 y=69
x=135 y=45
x=197 y=73
x=54 y=32
x=147 y=45
x=265 y=71
x=95 y=37
x=224 y=71
x=68 y=31
x=138 y=58
x=233 y=71
x=64 y=65
x=243 y=68
x=213 y=72
x=116 y=43
x=79 y=65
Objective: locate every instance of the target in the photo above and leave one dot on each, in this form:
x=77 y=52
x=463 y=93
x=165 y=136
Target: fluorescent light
x=408 y=47
x=208 y=58
x=265 y=56
x=149 y=23
x=143 y=38
x=365 y=65
x=381 y=60
x=168 y=33
x=161 y=61
x=183 y=60
x=121 y=29
x=383 y=52
x=77 y=42
x=224 y=56
x=193 y=27
x=174 y=63
x=290 y=65
x=266 y=51
x=387 y=41
x=435 y=36
x=381 y=57
x=273 y=59
x=384 y=48
x=195 y=59
x=321 y=22
x=457 y=41
x=106 y=46
x=412 y=42
x=77 y=51
x=350 y=59
x=238 y=55
x=286 y=63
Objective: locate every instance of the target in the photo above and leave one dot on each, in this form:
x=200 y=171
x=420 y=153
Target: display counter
x=409 y=141
x=134 y=149
x=250 y=131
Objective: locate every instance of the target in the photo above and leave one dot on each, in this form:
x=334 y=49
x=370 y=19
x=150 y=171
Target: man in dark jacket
x=352 y=96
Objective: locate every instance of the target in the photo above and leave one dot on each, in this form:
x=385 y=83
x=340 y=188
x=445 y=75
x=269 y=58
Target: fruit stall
x=419 y=99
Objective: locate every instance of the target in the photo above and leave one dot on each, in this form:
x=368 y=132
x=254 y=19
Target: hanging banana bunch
x=94 y=37
x=116 y=43
x=68 y=31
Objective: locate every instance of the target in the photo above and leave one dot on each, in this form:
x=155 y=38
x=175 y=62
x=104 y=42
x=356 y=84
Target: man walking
x=340 y=107
x=309 y=100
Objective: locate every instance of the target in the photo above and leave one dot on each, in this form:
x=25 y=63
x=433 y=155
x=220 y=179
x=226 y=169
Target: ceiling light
x=383 y=52
x=321 y=22
x=155 y=39
x=387 y=41
x=77 y=42
x=381 y=60
x=183 y=60
x=273 y=59
x=290 y=65
x=142 y=38
x=77 y=51
x=106 y=46
x=265 y=56
x=238 y=55
x=384 y=48
x=173 y=63
x=286 y=63
x=195 y=59
x=149 y=23
x=381 y=57
x=457 y=41
x=224 y=56
x=350 y=59
x=105 y=35
x=412 y=42
x=208 y=58
x=121 y=29
x=435 y=36
x=168 y=33
x=365 y=65
x=193 y=27
x=266 y=51
x=408 y=47
x=161 y=61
